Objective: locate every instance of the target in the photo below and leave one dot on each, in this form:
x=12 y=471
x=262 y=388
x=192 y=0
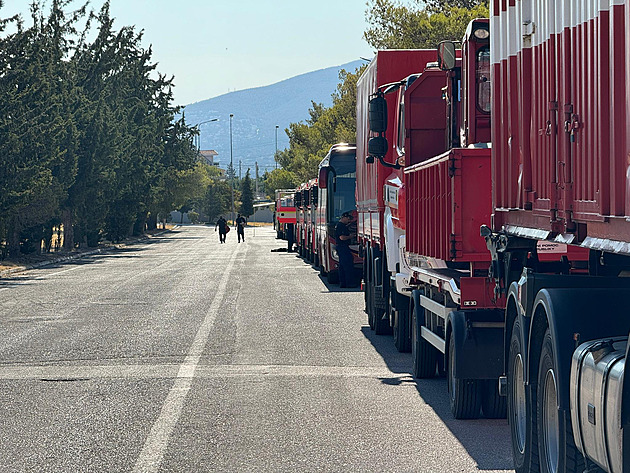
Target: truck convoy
x=507 y=265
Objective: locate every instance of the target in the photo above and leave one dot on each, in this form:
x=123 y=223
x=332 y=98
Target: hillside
x=257 y=111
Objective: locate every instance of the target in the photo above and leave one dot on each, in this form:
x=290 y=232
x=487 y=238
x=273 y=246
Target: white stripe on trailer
x=513 y=41
x=495 y=46
x=433 y=339
x=435 y=307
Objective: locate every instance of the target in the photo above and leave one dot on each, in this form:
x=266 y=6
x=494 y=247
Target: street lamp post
x=232 y=166
x=199 y=128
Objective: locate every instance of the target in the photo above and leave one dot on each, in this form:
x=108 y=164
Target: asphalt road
x=178 y=354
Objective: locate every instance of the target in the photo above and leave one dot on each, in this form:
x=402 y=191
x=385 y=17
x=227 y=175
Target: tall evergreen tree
x=247 y=196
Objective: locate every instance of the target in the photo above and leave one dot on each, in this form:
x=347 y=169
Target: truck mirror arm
x=389 y=165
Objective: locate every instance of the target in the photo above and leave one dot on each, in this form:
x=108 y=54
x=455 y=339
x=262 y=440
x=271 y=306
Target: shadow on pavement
x=487 y=441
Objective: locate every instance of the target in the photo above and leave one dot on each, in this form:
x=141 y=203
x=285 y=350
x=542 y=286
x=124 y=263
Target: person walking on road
x=343 y=237
x=223 y=229
x=240 y=227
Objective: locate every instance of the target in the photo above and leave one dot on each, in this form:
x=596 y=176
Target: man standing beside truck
x=343 y=237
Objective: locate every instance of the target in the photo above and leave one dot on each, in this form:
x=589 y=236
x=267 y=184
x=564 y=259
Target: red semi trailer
x=561 y=175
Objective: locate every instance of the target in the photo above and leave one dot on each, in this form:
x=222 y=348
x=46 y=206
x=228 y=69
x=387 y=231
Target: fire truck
x=560 y=175
x=336 y=188
x=285 y=216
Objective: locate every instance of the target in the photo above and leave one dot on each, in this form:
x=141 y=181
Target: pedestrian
x=240 y=227
x=343 y=237
x=223 y=229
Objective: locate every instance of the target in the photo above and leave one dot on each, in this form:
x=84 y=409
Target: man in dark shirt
x=223 y=229
x=240 y=227
x=343 y=237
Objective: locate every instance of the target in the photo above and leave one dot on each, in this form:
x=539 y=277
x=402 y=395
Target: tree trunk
x=13 y=247
x=68 y=230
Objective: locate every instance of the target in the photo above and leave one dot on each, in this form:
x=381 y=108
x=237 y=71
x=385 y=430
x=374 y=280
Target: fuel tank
x=596 y=393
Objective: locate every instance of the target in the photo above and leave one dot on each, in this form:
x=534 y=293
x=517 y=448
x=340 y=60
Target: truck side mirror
x=314 y=195
x=377 y=114
x=377 y=147
x=446 y=55
x=322 y=178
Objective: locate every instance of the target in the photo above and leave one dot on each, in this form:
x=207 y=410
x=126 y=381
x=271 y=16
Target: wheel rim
x=519 y=415
x=551 y=425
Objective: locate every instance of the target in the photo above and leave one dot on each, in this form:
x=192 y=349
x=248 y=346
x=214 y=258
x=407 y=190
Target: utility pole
x=240 y=170
x=275 y=156
x=232 y=166
x=256 y=179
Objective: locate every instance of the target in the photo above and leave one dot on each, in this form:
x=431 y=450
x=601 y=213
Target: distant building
x=209 y=156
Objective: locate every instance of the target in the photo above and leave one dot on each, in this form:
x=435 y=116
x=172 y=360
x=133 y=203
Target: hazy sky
x=213 y=47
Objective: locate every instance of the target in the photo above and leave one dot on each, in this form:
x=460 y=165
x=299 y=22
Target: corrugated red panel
x=561 y=75
x=448 y=199
x=386 y=67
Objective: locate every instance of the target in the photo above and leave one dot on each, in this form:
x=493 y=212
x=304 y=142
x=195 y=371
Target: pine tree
x=247 y=196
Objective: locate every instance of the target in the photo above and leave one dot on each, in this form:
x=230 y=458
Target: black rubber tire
x=525 y=444
x=381 y=323
x=569 y=459
x=333 y=276
x=423 y=354
x=402 y=340
x=493 y=406
x=464 y=394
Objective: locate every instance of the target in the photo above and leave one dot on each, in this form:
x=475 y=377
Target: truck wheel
x=520 y=418
x=333 y=276
x=423 y=354
x=464 y=394
x=381 y=323
x=492 y=405
x=401 y=330
x=551 y=438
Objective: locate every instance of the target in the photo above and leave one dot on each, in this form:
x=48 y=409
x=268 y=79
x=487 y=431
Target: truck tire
x=423 y=354
x=381 y=323
x=402 y=341
x=333 y=276
x=464 y=394
x=551 y=437
x=519 y=412
x=493 y=406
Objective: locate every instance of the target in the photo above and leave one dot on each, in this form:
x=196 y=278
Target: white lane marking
x=156 y=444
x=166 y=371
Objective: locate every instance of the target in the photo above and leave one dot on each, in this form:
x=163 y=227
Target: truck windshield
x=341 y=183
x=483 y=79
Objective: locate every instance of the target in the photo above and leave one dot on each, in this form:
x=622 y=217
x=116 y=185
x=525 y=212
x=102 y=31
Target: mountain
x=256 y=112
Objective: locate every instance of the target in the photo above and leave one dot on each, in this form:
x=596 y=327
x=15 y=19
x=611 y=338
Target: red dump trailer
x=561 y=176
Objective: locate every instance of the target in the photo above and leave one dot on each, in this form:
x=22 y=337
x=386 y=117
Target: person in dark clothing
x=240 y=227
x=343 y=237
x=223 y=229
